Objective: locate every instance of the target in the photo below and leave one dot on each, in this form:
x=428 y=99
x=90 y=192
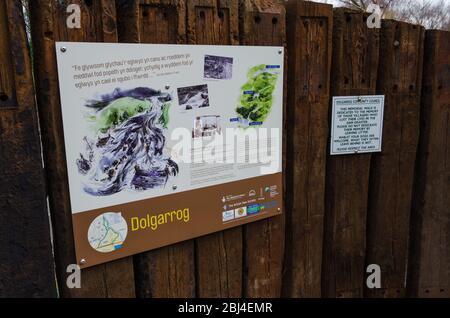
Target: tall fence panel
x=98 y=23
x=309 y=36
x=354 y=73
x=429 y=261
x=263 y=22
x=26 y=260
x=392 y=171
x=341 y=213
x=167 y=271
x=219 y=255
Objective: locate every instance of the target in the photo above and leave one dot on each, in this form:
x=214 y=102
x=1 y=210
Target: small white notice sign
x=357 y=124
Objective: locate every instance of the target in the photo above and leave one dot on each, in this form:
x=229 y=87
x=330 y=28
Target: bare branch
x=430 y=14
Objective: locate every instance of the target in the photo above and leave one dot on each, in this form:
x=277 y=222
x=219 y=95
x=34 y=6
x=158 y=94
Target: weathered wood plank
x=263 y=22
x=151 y=21
x=168 y=271
x=219 y=255
x=26 y=260
x=354 y=72
x=429 y=261
x=392 y=171
x=309 y=36
x=98 y=23
x=7 y=85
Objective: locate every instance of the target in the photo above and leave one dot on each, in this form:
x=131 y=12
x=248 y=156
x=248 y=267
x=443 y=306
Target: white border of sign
x=356 y=99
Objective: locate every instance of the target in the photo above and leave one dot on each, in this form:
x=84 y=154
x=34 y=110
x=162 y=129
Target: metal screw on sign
x=167 y=86
x=83 y=261
x=174 y=187
x=63 y=49
x=280 y=51
x=359 y=99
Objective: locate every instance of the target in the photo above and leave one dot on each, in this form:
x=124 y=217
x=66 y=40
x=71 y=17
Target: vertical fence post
x=167 y=271
x=48 y=19
x=429 y=262
x=354 y=72
x=26 y=260
x=262 y=22
x=309 y=35
x=392 y=170
x=219 y=255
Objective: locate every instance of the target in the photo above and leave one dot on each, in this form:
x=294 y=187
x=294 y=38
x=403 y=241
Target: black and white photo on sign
x=192 y=97
x=218 y=67
x=205 y=126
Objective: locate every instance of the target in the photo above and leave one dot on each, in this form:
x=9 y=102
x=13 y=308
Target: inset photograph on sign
x=218 y=67
x=357 y=124
x=193 y=97
x=206 y=126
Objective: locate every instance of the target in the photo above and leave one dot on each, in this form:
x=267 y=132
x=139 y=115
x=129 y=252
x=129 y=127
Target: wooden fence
x=341 y=212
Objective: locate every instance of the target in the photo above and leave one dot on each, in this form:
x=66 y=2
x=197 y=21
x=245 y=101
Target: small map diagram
x=107 y=232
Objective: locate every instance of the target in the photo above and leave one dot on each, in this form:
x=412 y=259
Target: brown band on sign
x=118 y=231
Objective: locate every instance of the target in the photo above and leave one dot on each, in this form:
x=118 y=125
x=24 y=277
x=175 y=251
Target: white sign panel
x=127 y=108
x=357 y=124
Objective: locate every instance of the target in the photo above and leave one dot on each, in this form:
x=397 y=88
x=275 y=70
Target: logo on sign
x=253 y=209
x=228 y=215
x=240 y=212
